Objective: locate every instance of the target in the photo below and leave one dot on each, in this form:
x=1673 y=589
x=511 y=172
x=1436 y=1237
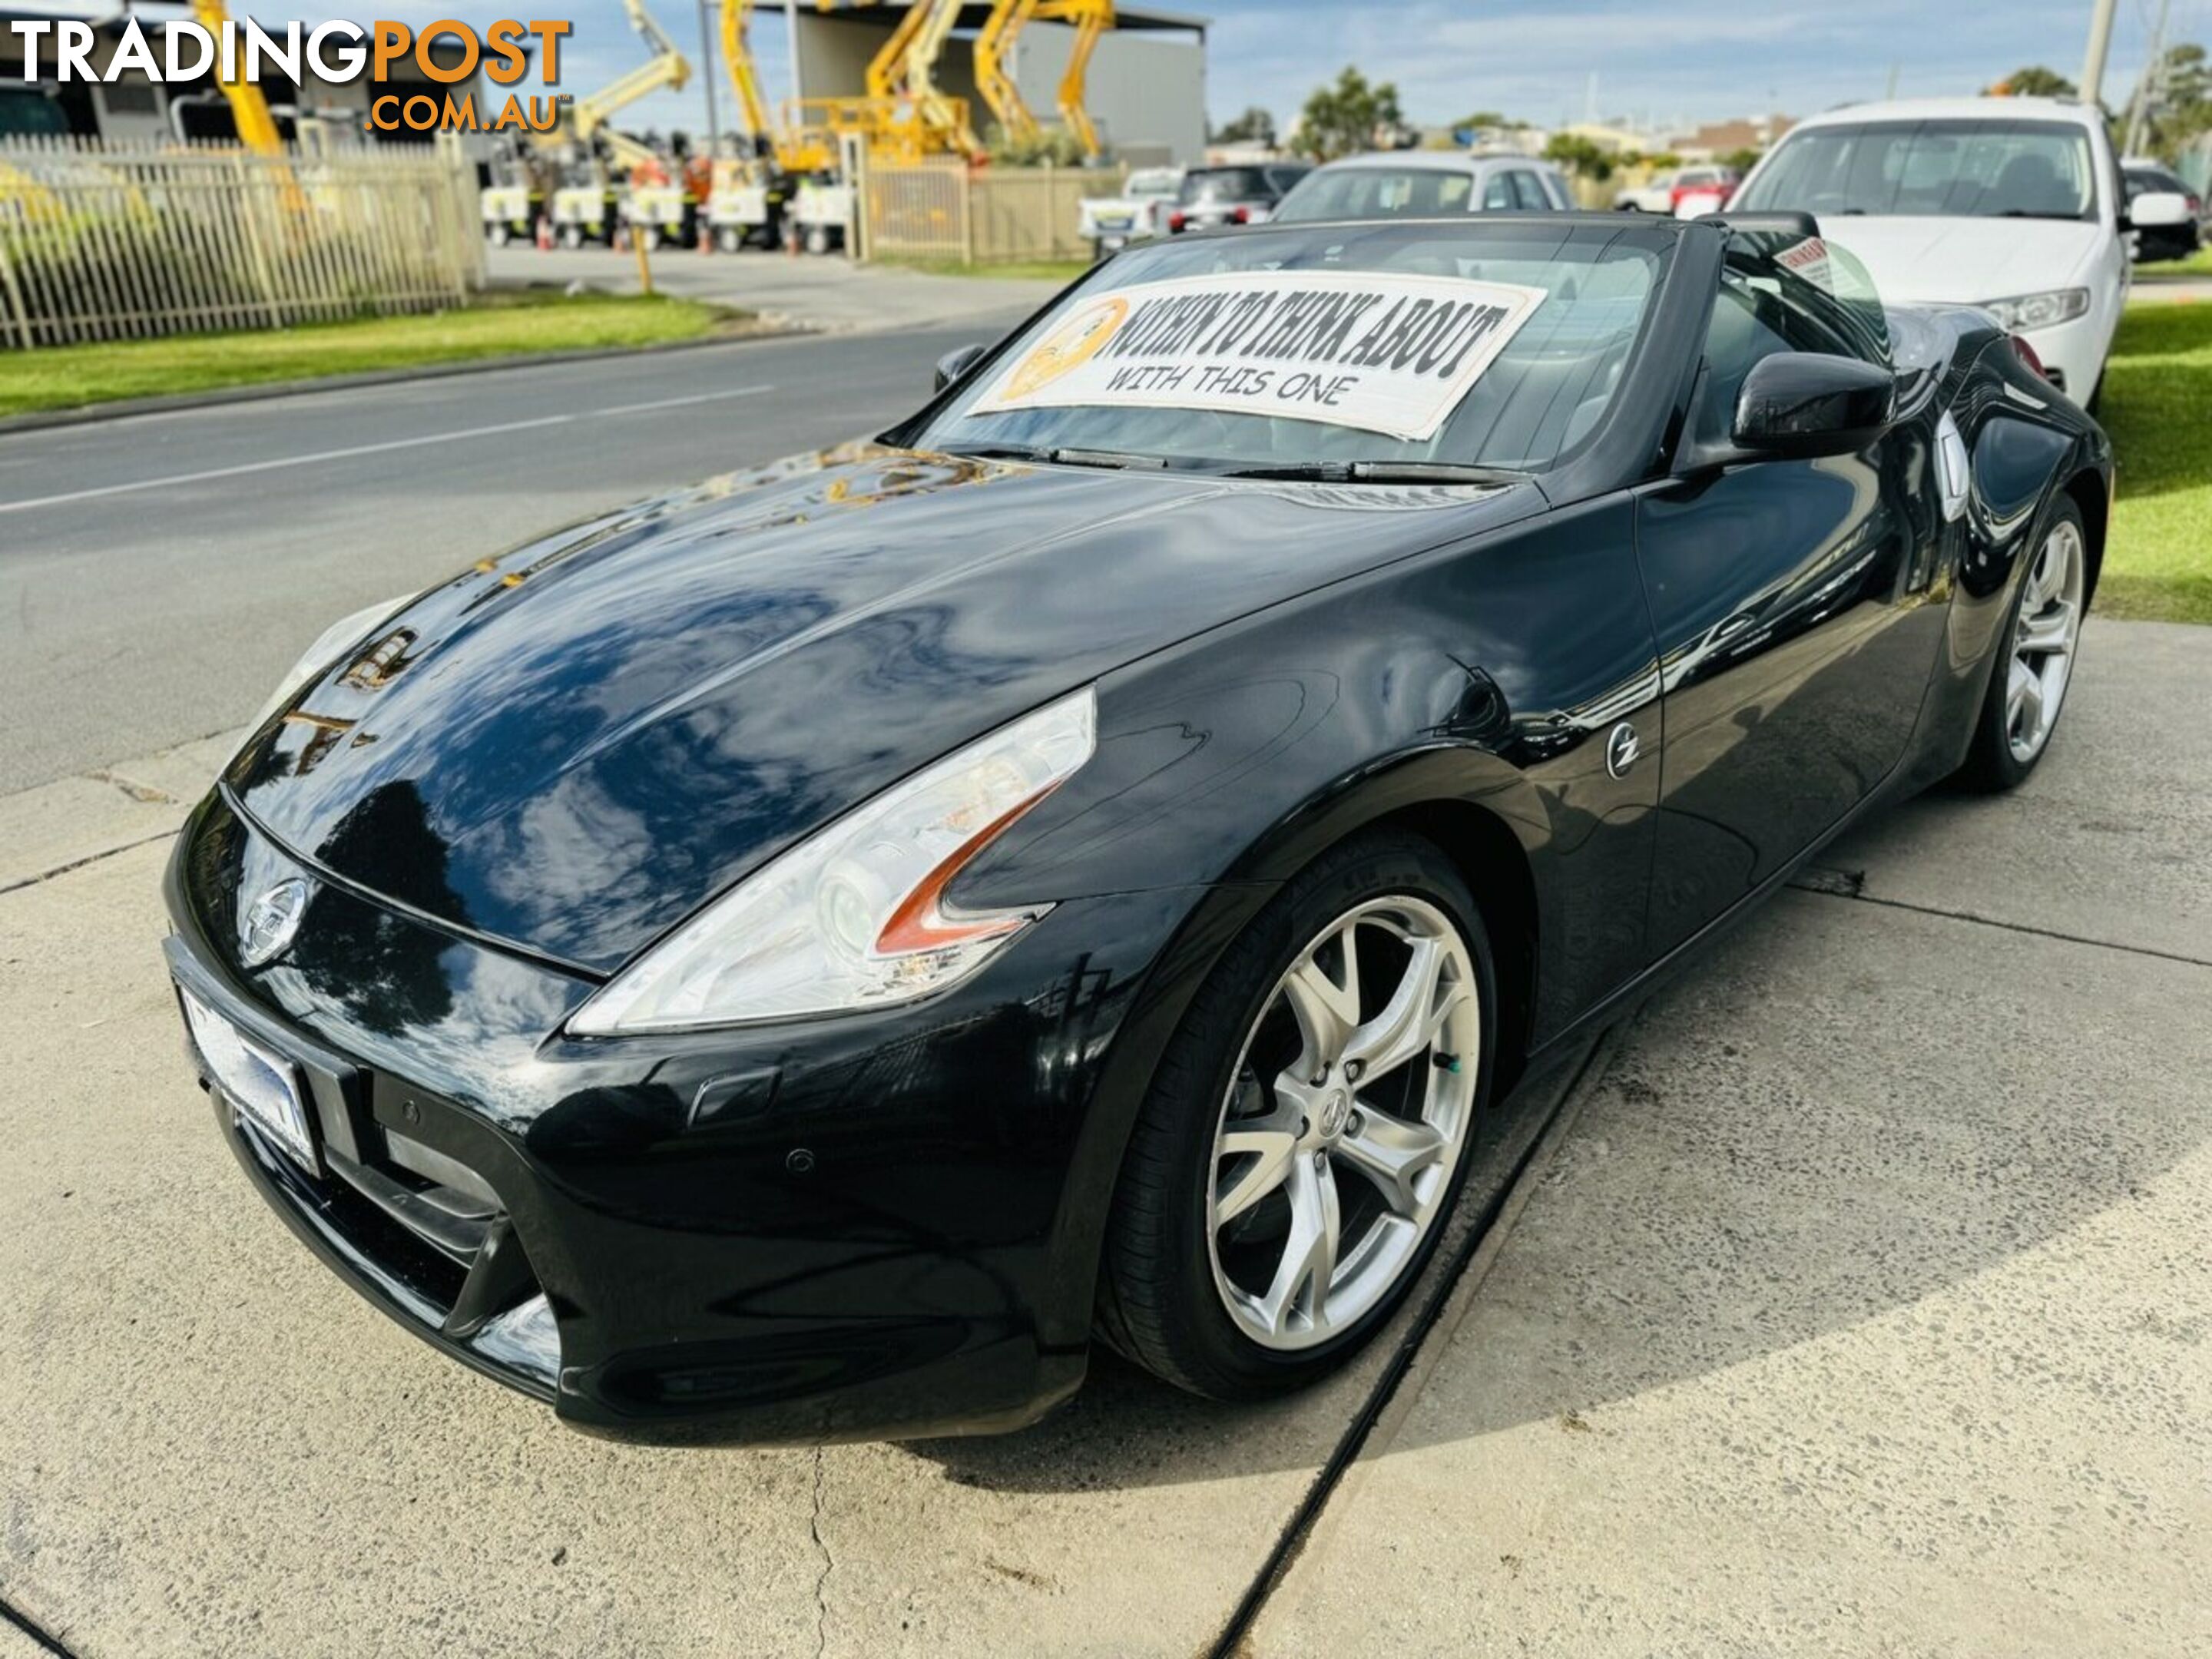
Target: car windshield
x=1225 y=184
x=1960 y=168
x=1163 y=185
x=1325 y=350
x=1822 y=281
x=1378 y=193
x=2142 y=179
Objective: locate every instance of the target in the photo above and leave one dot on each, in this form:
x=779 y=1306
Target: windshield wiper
x=1119 y=460
x=1380 y=472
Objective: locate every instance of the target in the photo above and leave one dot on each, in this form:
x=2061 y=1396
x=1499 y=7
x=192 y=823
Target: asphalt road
x=158 y=573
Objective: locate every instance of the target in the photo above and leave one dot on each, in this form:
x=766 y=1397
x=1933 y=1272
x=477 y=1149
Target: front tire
x=1308 y=1128
x=2041 y=638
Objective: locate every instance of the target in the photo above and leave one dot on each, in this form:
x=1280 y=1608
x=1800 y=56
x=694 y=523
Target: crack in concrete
x=1825 y=883
x=821 y=1578
x=22 y=1621
x=78 y=864
x=145 y=793
x=1477 y=1251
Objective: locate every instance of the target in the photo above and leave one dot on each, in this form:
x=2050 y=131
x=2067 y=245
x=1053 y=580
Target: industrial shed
x=1147 y=80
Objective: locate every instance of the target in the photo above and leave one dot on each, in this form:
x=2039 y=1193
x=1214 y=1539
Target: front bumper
x=2072 y=353
x=881 y=1226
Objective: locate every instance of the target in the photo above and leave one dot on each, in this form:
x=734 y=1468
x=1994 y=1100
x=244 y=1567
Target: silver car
x=1425 y=184
x=1244 y=194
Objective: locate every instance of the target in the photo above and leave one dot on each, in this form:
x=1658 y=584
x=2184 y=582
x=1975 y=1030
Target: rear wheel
x=1308 y=1127
x=2028 y=686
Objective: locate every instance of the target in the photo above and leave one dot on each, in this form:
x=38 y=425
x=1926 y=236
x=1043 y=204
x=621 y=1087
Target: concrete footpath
x=1869 y=1307
x=1858 y=1303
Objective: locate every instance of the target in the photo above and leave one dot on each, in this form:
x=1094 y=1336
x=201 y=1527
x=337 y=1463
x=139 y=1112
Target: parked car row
x=2016 y=205
x=1395 y=184
x=1428 y=185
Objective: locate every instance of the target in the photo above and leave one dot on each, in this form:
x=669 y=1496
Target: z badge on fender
x=1380 y=352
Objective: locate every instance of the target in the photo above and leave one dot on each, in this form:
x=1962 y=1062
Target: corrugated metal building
x=1146 y=84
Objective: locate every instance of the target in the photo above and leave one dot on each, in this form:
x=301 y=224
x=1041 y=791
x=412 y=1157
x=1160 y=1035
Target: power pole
x=2153 y=75
x=2100 y=42
x=707 y=65
x=791 y=44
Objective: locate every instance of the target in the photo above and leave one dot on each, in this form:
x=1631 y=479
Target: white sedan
x=2010 y=203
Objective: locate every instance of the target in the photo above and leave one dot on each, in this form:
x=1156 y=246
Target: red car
x=1702 y=189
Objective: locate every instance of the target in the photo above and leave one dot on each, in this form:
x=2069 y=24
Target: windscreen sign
x=1381 y=352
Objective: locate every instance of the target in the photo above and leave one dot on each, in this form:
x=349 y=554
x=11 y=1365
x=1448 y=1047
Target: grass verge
x=2158 y=387
x=504 y=324
x=1048 y=270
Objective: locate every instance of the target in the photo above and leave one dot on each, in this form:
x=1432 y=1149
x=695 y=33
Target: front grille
x=441 y=1253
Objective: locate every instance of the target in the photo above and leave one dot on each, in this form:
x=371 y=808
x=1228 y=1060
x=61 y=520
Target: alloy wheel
x=1344 y=1121
x=2044 y=642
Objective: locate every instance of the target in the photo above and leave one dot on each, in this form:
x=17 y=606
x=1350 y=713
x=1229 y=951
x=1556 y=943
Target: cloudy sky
x=1699 y=59
x=1693 y=59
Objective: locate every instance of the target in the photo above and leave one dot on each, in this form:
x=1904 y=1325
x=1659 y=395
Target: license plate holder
x=262 y=1087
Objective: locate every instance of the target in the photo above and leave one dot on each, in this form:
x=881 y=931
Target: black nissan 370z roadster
x=806 y=957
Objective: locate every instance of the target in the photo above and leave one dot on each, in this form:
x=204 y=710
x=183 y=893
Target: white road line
x=377 y=449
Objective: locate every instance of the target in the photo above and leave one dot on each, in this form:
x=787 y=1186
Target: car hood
x=571 y=748
x=1919 y=259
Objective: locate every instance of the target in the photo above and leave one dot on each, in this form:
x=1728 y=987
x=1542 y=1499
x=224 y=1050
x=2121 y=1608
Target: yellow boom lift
x=994 y=44
x=902 y=115
x=581 y=210
x=249 y=110
x=747 y=191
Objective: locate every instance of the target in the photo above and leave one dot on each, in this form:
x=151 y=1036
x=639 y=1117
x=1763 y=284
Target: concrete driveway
x=1856 y=1300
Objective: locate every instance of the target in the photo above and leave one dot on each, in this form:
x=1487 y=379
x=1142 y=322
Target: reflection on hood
x=594 y=734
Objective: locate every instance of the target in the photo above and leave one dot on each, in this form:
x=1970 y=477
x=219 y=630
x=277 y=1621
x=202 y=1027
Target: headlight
x=323 y=652
x=853 y=917
x=2061 y=305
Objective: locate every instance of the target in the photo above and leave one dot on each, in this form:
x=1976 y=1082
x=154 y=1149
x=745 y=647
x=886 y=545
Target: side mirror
x=2158 y=207
x=955 y=364
x=1799 y=404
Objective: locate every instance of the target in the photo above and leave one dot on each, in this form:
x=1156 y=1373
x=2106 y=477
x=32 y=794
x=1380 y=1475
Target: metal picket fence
x=941 y=209
x=111 y=241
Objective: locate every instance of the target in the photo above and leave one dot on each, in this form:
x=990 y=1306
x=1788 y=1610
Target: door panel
x=1795 y=644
